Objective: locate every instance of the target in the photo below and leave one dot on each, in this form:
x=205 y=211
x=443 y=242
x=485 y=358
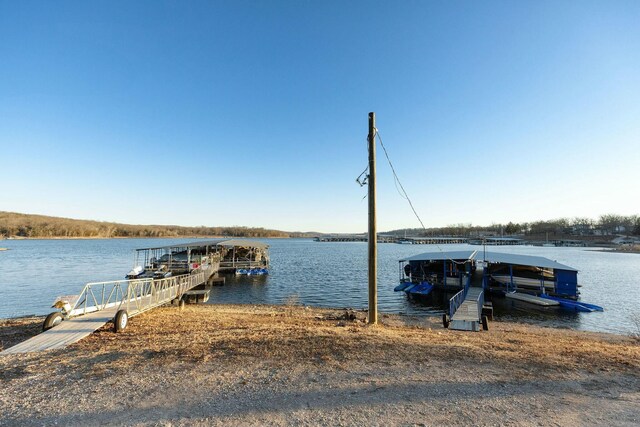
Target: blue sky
x=255 y=112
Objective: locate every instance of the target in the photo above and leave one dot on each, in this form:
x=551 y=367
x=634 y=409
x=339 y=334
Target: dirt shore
x=262 y=365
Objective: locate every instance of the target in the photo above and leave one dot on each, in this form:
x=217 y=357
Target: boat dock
x=176 y=273
x=225 y=255
x=475 y=275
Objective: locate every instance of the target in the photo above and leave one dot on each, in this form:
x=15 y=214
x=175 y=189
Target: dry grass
x=13 y=331
x=297 y=357
x=278 y=335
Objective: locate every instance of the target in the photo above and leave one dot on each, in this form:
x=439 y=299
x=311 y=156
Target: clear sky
x=255 y=112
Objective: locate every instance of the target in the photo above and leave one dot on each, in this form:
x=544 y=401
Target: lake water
x=34 y=272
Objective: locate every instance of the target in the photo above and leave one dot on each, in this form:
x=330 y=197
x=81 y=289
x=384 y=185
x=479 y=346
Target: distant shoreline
x=143 y=237
x=619 y=251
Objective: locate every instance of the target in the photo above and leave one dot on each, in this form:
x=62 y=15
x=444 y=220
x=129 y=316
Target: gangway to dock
x=102 y=302
x=465 y=309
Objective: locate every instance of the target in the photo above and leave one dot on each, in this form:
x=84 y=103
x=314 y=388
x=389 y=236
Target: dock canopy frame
x=454 y=266
x=233 y=253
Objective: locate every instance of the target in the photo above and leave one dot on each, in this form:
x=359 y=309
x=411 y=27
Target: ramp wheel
x=52 y=320
x=120 y=321
x=445 y=320
x=181 y=304
x=485 y=323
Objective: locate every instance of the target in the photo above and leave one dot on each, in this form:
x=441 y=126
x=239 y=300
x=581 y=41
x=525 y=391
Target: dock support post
x=373 y=235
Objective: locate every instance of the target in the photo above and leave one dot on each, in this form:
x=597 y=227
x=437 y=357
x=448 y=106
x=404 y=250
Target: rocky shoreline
x=290 y=365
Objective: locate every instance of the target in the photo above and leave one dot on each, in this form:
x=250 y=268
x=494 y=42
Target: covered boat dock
x=501 y=272
x=530 y=279
x=531 y=274
x=222 y=255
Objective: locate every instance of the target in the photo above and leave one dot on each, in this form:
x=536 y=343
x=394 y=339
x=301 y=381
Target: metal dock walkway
x=468 y=315
x=67 y=332
x=99 y=302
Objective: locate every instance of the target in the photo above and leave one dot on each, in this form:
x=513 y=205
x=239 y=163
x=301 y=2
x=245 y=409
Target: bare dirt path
x=246 y=365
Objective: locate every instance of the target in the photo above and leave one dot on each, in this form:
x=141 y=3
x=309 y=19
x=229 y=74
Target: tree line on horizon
x=605 y=225
x=40 y=226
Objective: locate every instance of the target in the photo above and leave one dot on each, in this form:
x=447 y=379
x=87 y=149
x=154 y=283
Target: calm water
x=34 y=272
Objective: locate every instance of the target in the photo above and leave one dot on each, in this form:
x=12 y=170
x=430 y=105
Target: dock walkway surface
x=67 y=332
x=468 y=317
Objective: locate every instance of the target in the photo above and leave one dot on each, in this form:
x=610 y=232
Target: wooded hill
x=605 y=225
x=39 y=226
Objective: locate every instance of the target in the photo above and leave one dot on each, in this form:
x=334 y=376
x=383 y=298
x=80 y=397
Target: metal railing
x=457 y=299
x=136 y=296
x=480 y=303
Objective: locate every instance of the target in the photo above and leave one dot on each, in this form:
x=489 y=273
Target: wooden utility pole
x=373 y=235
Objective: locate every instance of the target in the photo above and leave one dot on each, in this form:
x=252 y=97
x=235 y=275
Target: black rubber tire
x=485 y=323
x=445 y=320
x=120 y=321
x=52 y=320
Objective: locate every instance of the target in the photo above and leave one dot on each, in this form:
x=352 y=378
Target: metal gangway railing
x=465 y=310
x=102 y=302
x=457 y=299
x=135 y=296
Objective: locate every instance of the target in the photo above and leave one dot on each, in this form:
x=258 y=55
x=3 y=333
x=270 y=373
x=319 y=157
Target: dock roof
x=441 y=256
x=243 y=243
x=517 y=259
x=212 y=242
x=492 y=257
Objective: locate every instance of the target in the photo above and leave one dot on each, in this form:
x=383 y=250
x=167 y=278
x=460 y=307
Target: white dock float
x=532 y=299
x=106 y=299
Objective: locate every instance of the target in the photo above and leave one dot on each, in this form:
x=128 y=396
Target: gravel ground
x=262 y=365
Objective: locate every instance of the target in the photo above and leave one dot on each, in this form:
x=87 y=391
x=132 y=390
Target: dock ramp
x=465 y=309
x=99 y=302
